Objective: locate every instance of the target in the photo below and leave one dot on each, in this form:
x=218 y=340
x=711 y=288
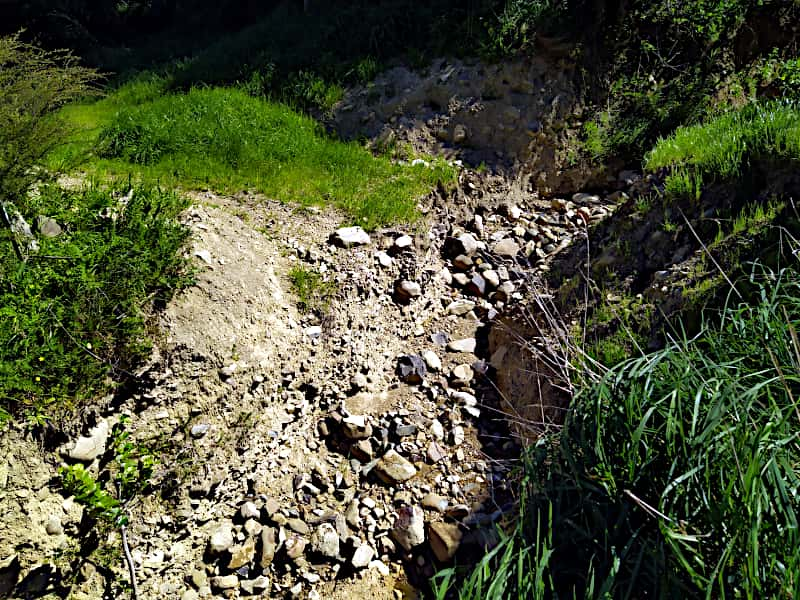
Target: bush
x=33 y=84
x=75 y=314
x=675 y=475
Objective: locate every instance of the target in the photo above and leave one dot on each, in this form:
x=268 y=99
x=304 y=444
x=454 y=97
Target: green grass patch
x=75 y=313
x=724 y=147
x=676 y=474
x=313 y=292
x=224 y=139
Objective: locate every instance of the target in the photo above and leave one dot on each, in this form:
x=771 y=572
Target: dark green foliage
x=75 y=313
x=676 y=474
x=79 y=482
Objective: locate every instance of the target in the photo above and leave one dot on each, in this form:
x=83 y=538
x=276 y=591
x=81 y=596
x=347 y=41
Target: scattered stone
x=458 y=435
x=268 y=547
x=393 y=468
x=355 y=427
x=53 y=526
x=403 y=242
x=326 y=541
x=462 y=375
x=298 y=526
x=351 y=236
x=221 y=539
x=437 y=429
x=204 y=255
x=444 y=539
x=434 y=453
x=225 y=582
x=384 y=259
x=459 y=134
x=435 y=502
x=506 y=247
x=242 y=554
x=48 y=227
x=409 y=527
x=477 y=285
x=411 y=369
x=295 y=546
x=405 y=291
x=88 y=448
x=199 y=430
x=313 y=332
x=460 y=307
x=362 y=557
x=432 y=360
x=250 y=511
x=467 y=345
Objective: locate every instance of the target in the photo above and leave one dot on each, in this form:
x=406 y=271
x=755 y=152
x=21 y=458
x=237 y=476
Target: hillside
x=379 y=300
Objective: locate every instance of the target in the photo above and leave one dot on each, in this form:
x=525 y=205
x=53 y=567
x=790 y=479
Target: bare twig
x=708 y=252
x=129 y=561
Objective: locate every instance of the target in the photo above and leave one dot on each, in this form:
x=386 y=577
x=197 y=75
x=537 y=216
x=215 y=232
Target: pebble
x=411 y=369
x=406 y=290
x=362 y=556
x=221 y=539
x=506 y=247
x=393 y=468
x=200 y=430
x=467 y=345
x=444 y=540
x=225 y=582
x=432 y=360
x=87 y=448
x=326 y=541
x=409 y=527
x=351 y=236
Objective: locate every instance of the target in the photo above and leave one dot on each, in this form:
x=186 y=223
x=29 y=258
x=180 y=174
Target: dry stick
x=129 y=560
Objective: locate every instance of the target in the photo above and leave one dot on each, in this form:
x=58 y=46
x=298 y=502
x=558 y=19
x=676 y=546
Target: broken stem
x=129 y=560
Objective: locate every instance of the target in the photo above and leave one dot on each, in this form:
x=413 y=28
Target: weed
x=75 y=313
x=313 y=292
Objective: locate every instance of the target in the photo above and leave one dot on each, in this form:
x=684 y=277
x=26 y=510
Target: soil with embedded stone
x=346 y=453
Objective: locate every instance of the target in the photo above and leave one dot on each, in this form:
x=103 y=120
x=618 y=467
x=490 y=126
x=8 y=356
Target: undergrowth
x=675 y=474
x=73 y=316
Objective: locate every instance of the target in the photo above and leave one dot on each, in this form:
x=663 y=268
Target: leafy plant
x=312 y=290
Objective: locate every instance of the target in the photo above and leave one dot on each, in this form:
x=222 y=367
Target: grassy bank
x=675 y=474
x=74 y=314
x=224 y=139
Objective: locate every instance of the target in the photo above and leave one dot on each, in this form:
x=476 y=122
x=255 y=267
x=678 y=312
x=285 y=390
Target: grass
x=676 y=474
x=724 y=147
x=313 y=292
x=224 y=139
x=74 y=316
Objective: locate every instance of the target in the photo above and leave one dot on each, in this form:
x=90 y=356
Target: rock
x=351 y=515
x=435 y=502
x=199 y=430
x=295 y=546
x=492 y=278
x=459 y=134
x=460 y=307
x=465 y=244
x=409 y=527
x=405 y=291
x=53 y=526
x=298 y=526
x=225 y=582
x=250 y=511
x=393 y=468
x=355 y=427
x=362 y=556
x=403 y=242
x=461 y=279
x=252 y=527
x=444 y=540
x=384 y=259
x=462 y=375
x=254 y=586
x=432 y=360
x=88 y=448
x=48 y=227
x=437 y=429
x=466 y=345
x=477 y=285
x=313 y=332
x=268 y=547
x=221 y=539
x=326 y=541
x=462 y=262
x=506 y=247
x=204 y=255
x=434 y=453
x=362 y=450
x=411 y=369
x=243 y=554
x=190 y=595
x=351 y=236
x=458 y=435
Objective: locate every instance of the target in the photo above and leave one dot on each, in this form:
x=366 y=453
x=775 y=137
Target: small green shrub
x=75 y=313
